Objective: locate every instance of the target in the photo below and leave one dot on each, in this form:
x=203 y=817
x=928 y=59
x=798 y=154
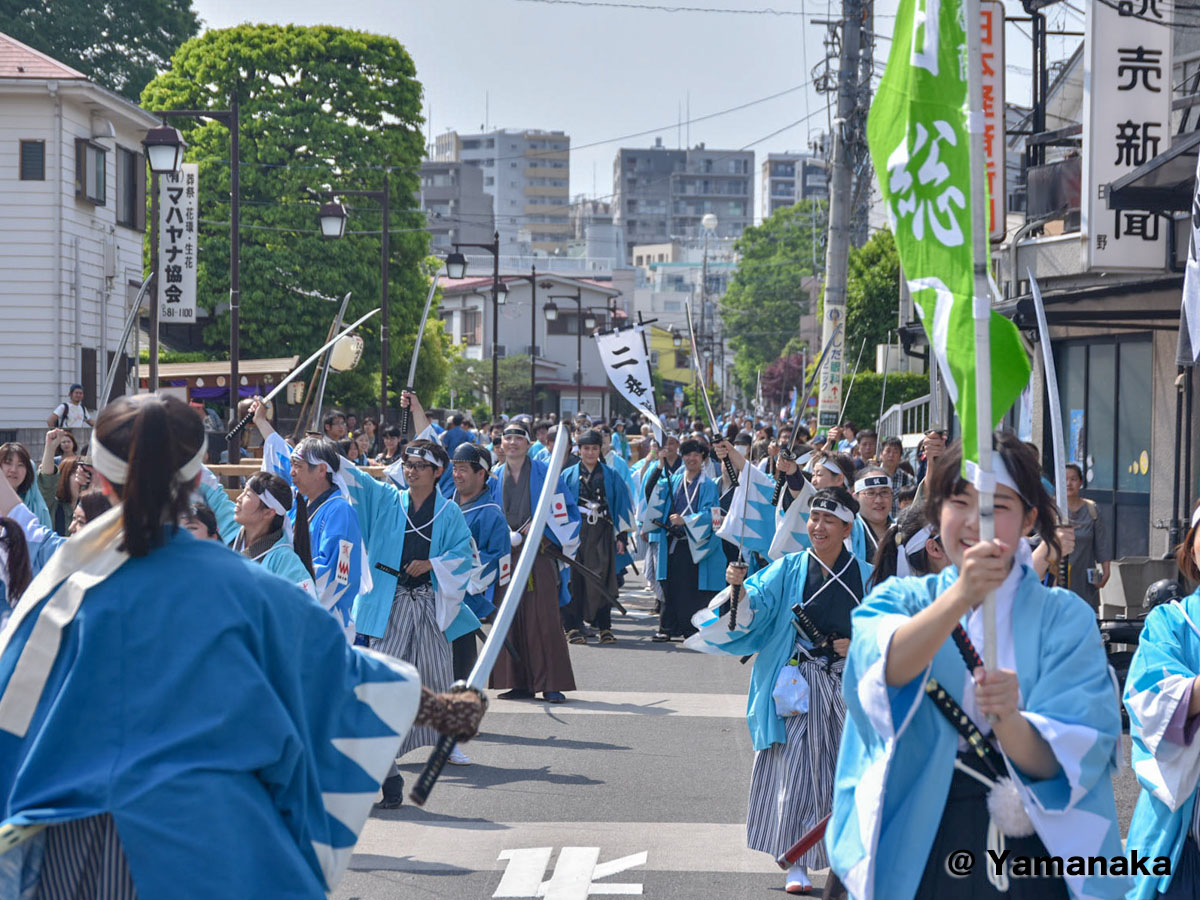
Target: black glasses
x=414 y=466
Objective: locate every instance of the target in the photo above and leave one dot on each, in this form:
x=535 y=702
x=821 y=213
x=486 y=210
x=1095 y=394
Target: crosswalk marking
x=629 y=703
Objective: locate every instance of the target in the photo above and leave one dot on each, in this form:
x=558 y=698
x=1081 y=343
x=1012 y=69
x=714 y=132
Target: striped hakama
x=791 y=787
x=413 y=635
x=84 y=858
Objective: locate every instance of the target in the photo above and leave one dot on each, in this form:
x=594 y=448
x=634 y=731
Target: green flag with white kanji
x=917 y=133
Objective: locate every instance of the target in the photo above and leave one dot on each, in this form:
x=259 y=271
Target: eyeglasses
x=414 y=466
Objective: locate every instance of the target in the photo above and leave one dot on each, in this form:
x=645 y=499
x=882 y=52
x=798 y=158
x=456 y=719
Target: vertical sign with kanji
x=991 y=14
x=177 y=245
x=623 y=353
x=1127 y=122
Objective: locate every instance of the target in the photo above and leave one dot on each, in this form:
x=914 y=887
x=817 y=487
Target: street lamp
x=533 y=286
x=332 y=217
x=159 y=144
x=456 y=268
x=676 y=338
x=551 y=315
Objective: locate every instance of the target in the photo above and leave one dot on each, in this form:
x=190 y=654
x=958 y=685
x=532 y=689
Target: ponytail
x=301 y=541
x=891 y=545
x=20 y=570
x=884 y=563
x=155 y=437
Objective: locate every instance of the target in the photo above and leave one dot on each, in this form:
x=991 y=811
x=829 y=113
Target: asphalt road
x=636 y=786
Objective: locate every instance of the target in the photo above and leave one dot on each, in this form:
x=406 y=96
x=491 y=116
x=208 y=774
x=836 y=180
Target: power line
x=608 y=4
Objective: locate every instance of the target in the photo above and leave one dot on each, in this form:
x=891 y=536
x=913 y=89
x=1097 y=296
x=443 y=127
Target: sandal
x=607 y=637
x=575 y=636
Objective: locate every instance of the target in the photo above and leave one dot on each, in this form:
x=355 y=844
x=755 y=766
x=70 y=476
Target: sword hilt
x=239 y=427
x=777 y=492
x=433 y=769
x=731 y=472
x=735 y=592
x=405 y=413
x=965 y=648
x=1064 y=573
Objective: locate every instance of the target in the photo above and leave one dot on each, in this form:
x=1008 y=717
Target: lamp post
x=456 y=268
x=164 y=152
x=580 y=324
x=156 y=144
x=332 y=217
x=533 y=286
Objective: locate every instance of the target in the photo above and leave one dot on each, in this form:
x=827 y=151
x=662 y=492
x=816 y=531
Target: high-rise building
x=790 y=177
x=455 y=205
x=528 y=173
x=660 y=194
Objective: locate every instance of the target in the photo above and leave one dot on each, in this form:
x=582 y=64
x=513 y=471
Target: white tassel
x=1007 y=811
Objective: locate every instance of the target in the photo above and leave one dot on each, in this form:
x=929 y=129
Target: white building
x=72 y=219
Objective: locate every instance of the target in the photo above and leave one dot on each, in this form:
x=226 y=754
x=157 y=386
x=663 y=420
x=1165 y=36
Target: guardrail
x=910 y=417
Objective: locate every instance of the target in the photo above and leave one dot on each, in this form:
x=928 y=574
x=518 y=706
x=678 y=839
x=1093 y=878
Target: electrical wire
x=654 y=7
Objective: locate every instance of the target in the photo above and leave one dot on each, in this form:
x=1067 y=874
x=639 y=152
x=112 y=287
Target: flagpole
x=982 y=309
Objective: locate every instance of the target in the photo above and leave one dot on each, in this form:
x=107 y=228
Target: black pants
x=464 y=651
x=682 y=597
x=1185 y=880
x=964 y=826
x=572 y=619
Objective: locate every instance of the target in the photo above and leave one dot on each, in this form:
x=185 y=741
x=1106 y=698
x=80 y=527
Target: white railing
x=910 y=417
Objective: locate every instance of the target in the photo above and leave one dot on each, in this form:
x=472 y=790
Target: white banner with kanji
x=628 y=367
x=177 y=245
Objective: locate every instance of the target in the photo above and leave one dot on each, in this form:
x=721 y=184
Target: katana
x=1056 y=423
x=712 y=420
x=405 y=411
x=129 y=323
x=846 y=396
x=478 y=678
x=245 y=420
x=576 y=566
x=812 y=383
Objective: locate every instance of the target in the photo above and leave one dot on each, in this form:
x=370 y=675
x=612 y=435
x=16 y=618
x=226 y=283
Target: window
x=33 y=160
x=131 y=189
x=90 y=181
x=489 y=181
x=472 y=329
x=638 y=260
x=683 y=359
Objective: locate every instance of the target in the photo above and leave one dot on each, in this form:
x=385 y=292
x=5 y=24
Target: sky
x=605 y=72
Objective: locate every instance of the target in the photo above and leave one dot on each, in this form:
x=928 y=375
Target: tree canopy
x=320 y=108
x=118 y=45
x=872 y=294
x=768 y=294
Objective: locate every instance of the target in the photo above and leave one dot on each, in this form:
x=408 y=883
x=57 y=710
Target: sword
x=552 y=551
x=712 y=420
x=846 y=396
x=477 y=680
x=129 y=323
x=812 y=383
x=1056 y=424
x=405 y=411
x=245 y=420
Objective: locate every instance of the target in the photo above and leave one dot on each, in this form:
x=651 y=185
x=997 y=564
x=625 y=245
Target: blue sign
x=1075 y=438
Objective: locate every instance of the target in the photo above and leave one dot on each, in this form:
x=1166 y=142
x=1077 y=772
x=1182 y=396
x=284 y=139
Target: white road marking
x=629 y=703
x=424 y=843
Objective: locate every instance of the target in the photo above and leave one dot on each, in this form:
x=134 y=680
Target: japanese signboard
x=178 y=241
x=829 y=403
x=1127 y=122
x=991 y=13
x=624 y=356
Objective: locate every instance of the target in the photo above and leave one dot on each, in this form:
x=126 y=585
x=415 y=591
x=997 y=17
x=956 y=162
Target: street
x=636 y=786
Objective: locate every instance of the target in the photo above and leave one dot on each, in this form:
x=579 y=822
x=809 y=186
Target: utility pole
x=841 y=192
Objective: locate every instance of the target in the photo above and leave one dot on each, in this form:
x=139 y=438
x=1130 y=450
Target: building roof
x=19 y=60
x=277 y=366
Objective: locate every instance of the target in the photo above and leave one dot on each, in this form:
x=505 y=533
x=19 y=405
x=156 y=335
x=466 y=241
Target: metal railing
x=910 y=417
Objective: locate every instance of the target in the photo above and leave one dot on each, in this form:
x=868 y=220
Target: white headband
x=271 y=502
x=1196 y=517
x=833 y=508
x=116 y=470
x=829 y=465
x=339 y=480
x=1000 y=474
x=427 y=455
x=912 y=546
x=872 y=481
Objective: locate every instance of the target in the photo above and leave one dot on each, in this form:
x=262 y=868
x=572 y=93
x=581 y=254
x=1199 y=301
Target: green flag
x=920 y=145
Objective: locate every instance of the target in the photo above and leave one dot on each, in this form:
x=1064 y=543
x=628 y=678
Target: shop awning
x=1165 y=184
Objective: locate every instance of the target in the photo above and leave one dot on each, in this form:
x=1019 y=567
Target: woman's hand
x=1066 y=539
x=786 y=466
x=984 y=569
x=997 y=692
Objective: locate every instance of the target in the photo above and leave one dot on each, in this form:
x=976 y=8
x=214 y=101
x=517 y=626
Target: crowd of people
x=348 y=584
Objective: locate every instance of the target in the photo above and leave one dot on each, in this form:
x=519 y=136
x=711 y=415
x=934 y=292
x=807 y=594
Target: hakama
x=537 y=636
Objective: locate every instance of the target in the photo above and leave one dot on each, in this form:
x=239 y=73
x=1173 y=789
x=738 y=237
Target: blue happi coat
x=381 y=509
x=764 y=628
x=562 y=526
x=489 y=528
x=281 y=558
x=238 y=759
x=1166 y=662
x=705 y=546
x=338 y=554
x=897 y=753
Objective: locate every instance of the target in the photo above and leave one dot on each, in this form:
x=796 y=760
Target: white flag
x=624 y=356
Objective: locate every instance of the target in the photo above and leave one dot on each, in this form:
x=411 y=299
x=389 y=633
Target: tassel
x=1007 y=811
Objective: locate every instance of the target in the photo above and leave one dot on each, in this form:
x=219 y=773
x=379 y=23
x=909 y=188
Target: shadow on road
x=551 y=741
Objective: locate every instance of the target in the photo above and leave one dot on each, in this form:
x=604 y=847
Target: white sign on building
x=1127 y=122
x=991 y=13
x=178 y=240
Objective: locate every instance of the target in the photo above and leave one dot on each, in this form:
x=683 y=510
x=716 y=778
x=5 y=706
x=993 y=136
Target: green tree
x=320 y=107
x=119 y=45
x=872 y=295
x=764 y=303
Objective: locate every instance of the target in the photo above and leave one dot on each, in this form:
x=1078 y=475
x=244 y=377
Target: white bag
x=791 y=692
